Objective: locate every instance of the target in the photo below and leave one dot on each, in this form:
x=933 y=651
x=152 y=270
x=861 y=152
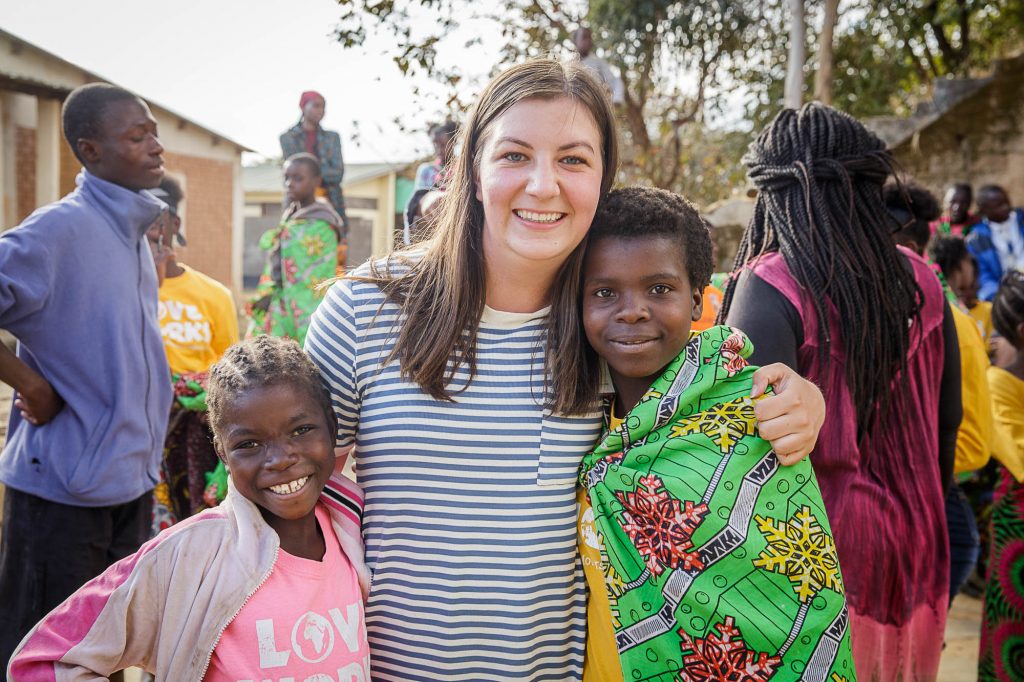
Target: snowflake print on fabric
x=801 y=550
x=660 y=527
x=724 y=656
x=732 y=361
x=725 y=423
x=312 y=244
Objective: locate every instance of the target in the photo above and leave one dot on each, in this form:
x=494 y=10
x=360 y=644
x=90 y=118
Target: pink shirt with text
x=305 y=623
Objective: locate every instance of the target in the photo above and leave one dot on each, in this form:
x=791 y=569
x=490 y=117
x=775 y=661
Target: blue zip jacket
x=990 y=268
x=79 y=291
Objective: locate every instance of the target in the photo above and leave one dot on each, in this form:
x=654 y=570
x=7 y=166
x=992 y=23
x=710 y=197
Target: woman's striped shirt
x=470 y=517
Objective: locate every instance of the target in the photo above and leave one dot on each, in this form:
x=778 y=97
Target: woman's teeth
x=288 y=488
x=539 y=217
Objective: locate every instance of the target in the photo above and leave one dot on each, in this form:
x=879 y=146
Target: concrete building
x=38 y=167
x=971 y=132
x=375 y=198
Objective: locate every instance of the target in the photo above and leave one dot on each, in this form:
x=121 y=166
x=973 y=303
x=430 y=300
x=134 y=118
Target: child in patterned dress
x=304 y=251
x=714 y=559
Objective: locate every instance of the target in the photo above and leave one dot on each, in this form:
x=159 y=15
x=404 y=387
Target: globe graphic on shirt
x=312 y=637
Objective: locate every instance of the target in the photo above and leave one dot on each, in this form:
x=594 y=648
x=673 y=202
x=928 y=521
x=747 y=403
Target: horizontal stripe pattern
x=470 y=509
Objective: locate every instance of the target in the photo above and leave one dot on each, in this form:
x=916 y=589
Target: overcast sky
x=238 y=66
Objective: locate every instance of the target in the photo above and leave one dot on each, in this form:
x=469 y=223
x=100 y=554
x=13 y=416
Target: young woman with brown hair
x=461 y=374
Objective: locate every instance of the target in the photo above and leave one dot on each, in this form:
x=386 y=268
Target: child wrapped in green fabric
x=717 y=562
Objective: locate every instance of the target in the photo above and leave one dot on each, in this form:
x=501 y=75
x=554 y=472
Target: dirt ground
x=959 y=661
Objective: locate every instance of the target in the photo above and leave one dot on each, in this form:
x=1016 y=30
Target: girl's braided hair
x=1008 y=308
x=820 y=173
x=260 y=362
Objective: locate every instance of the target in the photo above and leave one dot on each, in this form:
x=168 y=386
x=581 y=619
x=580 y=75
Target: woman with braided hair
x=824 y=289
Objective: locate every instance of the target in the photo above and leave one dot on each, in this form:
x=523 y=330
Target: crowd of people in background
x=570 y=464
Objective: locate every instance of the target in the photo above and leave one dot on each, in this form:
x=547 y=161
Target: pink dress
x=884 y=496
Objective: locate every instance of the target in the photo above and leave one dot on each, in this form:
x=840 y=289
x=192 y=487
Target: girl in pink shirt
x=268 y=586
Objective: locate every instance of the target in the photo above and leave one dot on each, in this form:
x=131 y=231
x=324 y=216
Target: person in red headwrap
x=308 y=136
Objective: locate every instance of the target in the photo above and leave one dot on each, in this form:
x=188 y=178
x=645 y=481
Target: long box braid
x=820 y=173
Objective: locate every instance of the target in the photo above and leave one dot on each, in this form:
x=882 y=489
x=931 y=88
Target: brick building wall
x=25 y=162
x=69 y=168
x=207 y=213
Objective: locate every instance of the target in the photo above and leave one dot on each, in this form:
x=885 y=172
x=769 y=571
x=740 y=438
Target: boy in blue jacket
x=78 y=290
x=997 y=241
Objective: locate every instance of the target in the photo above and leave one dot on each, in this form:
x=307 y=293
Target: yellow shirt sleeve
x=1008 y=413
x=974 y=438
x=601 y=659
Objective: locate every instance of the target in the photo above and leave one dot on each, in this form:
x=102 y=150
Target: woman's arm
x=768 y=319
x=792 y=416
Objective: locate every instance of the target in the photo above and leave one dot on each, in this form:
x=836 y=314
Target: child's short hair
x=263 y=361
x=310 y=161
x=639 y=212
x=83 y=110
x=948 y=253
x=1008 y=308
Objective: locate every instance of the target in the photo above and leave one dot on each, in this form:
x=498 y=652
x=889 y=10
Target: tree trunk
x=823 y=79
x=794 y=93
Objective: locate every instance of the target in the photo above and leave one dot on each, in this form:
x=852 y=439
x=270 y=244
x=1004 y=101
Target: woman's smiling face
x=539 y=181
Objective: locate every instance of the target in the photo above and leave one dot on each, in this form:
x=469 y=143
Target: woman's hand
x=791 y=418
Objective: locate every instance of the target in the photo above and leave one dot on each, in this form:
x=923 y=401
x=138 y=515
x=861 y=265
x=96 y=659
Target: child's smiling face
x=638 y=306
x=277 y=445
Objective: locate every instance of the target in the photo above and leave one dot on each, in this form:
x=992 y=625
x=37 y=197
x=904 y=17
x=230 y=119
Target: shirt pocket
x=563 y=443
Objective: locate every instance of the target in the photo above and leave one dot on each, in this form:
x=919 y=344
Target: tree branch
x=949 y=53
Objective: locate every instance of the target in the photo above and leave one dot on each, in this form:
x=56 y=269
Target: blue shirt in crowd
x=79 y=291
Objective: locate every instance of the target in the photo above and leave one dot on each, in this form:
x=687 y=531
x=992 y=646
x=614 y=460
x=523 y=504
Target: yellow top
x=601 y=660
x=1008 y=413
x=198 y=320
x=974 y=438
x=982 y=314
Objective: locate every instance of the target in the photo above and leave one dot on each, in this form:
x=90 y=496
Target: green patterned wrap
x=719 y=563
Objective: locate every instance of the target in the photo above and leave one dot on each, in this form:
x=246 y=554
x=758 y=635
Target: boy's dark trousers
x=48 y=550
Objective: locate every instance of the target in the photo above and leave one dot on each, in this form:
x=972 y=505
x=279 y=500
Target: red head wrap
x=308 y=96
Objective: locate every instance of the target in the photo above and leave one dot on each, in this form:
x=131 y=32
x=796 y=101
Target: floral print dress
x=302 y=254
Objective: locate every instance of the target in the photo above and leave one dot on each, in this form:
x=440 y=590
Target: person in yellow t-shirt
x=198 y=321
x=961 y=273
